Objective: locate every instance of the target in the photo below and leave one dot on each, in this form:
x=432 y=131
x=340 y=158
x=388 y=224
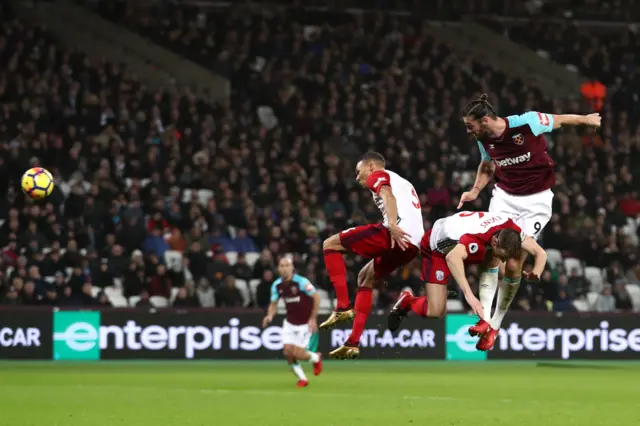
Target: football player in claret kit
x=464 y=238
x=299 y=330
x=390 y=245
x=514 y=150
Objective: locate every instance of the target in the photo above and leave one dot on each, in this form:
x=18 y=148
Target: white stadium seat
x=252 y=258
x=243 y=287
x=253 y=288
x=186 y=196
x=133 y=300
x=591 y=298
x=232 y=257
x=571 y=263
x=325 y=306
x=114 y=294
x=454 y=305
x=95 y=291
x=554 y=258
x=173 y=260
x=594 y=276
x=634 y=293
x=204 y=195
x=174 y=293
x=581 y=305
x=50 y=280
x=159 y=301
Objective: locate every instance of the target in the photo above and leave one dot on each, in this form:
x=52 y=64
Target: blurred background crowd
x=166 y=198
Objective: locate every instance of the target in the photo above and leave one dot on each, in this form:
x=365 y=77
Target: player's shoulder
x=299 y=279
x=532 y=120
x=277 y=282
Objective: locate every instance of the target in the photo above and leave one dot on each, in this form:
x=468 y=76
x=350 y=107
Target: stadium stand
x=169 y=200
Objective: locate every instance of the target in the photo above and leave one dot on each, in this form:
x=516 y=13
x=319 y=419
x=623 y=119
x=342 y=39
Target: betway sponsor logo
x=569 y=340
x=512 y=161
x=190 y=339
x=292 y=299
x=374 y=338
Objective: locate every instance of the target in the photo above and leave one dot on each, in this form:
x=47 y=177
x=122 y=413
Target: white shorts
x=296 y=335
x=530 y=212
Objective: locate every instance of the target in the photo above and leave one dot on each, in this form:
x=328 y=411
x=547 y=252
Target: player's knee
x=437 y=310
x=332 y=243
x=288 y=352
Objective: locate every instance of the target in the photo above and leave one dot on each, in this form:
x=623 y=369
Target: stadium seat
x=159 y=301
x=45 y=250
x=209 y=254
x=571 y=263
x=252 y=258
x=581 y=305
x=83 y=252
x=594 y=276
x=117 y=282
x=232 y=232
x=631 y=230
x=174 y=293
x=325 y=306
x=95 y=291
x=173 y=260
x=324 y=294
x=634 y=293
x=9 y=271
x=186 y=196
x=50 y=280
x=204 y=195
x=232 y=257
x=114 y=294
x=253 y=287
x=243 y=287
x=592 y=296
x=133 y=300
x=454 y=305
x=68 y=271
x=554 y=258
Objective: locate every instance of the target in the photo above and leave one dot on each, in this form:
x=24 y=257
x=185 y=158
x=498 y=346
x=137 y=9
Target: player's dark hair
x=510 y=241
x=373 y=156
x=479 y=108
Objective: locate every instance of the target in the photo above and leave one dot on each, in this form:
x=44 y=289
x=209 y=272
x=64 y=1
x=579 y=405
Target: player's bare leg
x=337 y=271
x=492 y=270
x=290 y=354
x=433 y=305
x=364 y=301
x=506 y=293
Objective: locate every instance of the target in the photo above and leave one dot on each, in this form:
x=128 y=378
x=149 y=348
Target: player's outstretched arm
x=455 y=261
x=539 y=255
x=593 y=120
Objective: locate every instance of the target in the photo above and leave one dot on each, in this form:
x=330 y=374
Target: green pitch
x=346 y=394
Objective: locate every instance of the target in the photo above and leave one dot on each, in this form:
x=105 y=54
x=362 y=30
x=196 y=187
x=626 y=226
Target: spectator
x=176 y=241
x=578 y=284
x=11 y=298
x=102 y=276
x=605 y=301
x=145 y=301
x=563 y=303
x=183 y=300
x=155 y=243
x=263 y=291
x=29 y=296
x=205 y=294
x=622 y=297
x=160 y=284
x=241 y=269
x=228 y=295
x=219 y=269
x=243 y=243
x=103 y=301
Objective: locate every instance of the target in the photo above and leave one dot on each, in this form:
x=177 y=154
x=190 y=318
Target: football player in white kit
x=464 y=238
x=390 y=244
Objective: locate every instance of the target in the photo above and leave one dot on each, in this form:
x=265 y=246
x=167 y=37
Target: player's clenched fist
x=593 y=119
x=468 y=197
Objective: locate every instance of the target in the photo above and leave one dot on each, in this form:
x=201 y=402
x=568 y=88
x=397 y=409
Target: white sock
x=297 y=369
x=488 y=286
x=313 y=357
x=506 y=294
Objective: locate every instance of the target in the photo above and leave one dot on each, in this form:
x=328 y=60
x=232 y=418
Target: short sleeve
x=377 y=180
x=274 y=292
x=484 y=155
x=474 y=247
x=538 y=122
x=305 y=286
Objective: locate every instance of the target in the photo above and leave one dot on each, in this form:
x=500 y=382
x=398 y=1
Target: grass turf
x=347 y=393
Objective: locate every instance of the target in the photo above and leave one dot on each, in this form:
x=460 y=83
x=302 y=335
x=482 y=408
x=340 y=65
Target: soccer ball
x=37 y=183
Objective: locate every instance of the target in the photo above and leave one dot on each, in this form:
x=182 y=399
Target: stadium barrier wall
x=214 y=334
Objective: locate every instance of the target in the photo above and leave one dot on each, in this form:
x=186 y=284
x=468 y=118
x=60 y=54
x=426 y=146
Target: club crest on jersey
x=439 y=275
x=518 y=139
x=294 y=290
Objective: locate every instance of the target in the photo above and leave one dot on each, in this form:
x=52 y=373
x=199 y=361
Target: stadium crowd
x=171 y=198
